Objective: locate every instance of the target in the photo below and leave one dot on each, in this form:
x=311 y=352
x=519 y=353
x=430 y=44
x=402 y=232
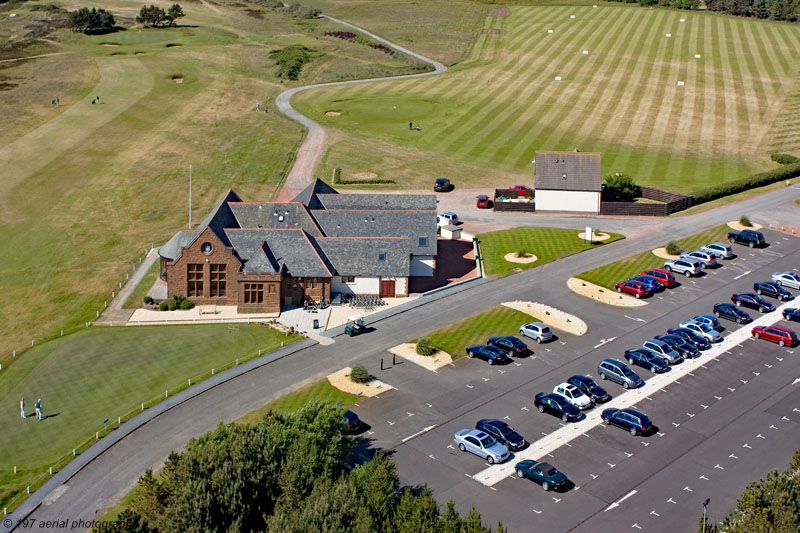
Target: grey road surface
x=310 y=151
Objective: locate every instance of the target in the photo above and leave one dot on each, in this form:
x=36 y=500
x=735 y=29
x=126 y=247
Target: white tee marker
x=585 y=52
x=697 y=56
x=558 y=78
x=572 y=16
x=680 y=84
x=669 y=35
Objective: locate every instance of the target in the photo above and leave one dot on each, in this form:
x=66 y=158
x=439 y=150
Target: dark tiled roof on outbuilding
x=568 y=171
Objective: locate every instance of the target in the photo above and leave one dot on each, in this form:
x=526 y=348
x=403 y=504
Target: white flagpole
x=190 y=196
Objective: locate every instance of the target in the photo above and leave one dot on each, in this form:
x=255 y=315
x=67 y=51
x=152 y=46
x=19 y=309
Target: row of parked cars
x=500 y=350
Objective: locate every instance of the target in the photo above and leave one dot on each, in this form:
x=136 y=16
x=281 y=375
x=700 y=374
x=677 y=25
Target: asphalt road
x=727 y=423
x=103 y=481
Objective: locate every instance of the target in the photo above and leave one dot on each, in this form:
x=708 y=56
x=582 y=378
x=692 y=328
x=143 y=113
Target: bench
x=207 y=309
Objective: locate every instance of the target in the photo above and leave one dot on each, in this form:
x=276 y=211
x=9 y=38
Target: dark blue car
x=649 y=281
x=731 y=312
x=629 y=420
x=680 y=345
x=557 y=406
x=502 y=432
x=700 y=342
x=791 y=314
x=490 y=354
x=511 y=345
x=646 y=359
x=590 y=388
x=772 y=289
x=753 y=301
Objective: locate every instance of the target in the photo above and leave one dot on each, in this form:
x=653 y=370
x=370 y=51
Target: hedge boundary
x=785 y=159
x=785 y=172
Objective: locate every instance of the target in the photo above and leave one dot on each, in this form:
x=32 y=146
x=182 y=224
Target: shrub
x=424 y=346
x=290 y=60
x=756 y=180
x=148 y=299
x=673 y=248
x=91 y=20
x=620 y=186
x=785 y=159
x=163 y=306
x=359 y=374
x=744 y=221
x=176 y=302
x=186 y=305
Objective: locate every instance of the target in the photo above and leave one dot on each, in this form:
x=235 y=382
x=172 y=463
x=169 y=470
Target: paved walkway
x=114 y=313
x=309 y=153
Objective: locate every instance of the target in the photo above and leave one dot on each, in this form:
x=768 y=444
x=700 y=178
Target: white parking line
x=616 y=503
x=418 y=433
x=742 y=275
x=556 y=439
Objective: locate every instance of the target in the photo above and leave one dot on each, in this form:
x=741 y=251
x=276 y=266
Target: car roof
x=483 y=197
x=780 y=328
x=537 y=324
x=491 y=422
x=613 y=362
x=582 y=379
x=633 y=412
x=449 y=213
x=441 y=179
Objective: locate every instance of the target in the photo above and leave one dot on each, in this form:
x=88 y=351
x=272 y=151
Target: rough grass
x=612 y=273
x=320 y=391
x=548 y=244
x=502 y=104
x=476 y=329
x=104 y=373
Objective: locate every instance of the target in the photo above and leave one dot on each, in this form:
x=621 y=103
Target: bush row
x=785 y=159
x=756 y=180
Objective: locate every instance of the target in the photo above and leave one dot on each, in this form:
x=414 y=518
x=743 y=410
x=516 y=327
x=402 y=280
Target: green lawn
x=502 y=103
x=320 y=391
x=500 y=320
x=609 y=275
x=136 y=299
x=104 y=373
x=548 y=244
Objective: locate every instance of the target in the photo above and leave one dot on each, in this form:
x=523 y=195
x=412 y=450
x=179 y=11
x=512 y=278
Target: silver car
x=787 y=279
x=662 y=349
x=704 y=258
x=687 y=266
x=703 y=330
x=537 y=331
x=481 y=444
x=718 y=249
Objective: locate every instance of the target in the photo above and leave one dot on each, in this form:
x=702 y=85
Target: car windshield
x=547 y=469
x=703 y=327
x=627 y=371
x=577 y=393
x=591 y=383
x=488 y=441
x=504 y=429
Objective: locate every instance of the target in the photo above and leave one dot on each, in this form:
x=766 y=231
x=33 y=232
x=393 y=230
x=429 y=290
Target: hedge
x=785 y=159
x=756 y=180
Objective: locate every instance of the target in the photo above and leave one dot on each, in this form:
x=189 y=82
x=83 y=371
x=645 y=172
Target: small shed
x=451 y=232
x=568 y=182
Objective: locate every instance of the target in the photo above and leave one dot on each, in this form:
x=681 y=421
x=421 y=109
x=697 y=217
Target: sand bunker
x=553 y=317
x=512 y=258
x=177 y=80
x=596 y=236
x=662 y=253
x=109 y=44
x=738 y=227
x=603 y=295
x=433 y=362
x=341 y=380
x=332 y=113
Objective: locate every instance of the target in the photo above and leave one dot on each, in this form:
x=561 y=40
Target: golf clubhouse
x=267 y=256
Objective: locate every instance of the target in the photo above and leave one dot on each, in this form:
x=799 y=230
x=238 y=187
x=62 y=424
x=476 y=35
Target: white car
x=703 y=330
x=448 y=217
x=573 y=395
x=787 y=279
x=537 y=331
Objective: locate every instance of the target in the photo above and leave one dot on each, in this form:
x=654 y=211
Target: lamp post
x=705 y=504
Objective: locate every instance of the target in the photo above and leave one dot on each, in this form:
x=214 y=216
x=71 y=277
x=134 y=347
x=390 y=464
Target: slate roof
x=352 y=256
x=274 y=215
x=378 y=201
x=582 y=171
x=173 y=248
x=308 y=197
x=220 y=218
x=270 y=250
x=357 y=223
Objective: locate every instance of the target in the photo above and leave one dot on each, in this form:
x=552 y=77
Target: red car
x=636 y=288
x=483 y=201
x=782 y=336
x=521 y=189
x=664 y=277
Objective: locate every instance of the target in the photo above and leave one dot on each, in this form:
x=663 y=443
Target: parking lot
x=720 y=426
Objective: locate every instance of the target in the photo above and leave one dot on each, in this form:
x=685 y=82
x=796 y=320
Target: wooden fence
x=672 y=203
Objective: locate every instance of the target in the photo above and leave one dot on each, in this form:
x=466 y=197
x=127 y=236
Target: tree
x=174 y=13
x=620 y=186
x=93 y=20
x=152 y=16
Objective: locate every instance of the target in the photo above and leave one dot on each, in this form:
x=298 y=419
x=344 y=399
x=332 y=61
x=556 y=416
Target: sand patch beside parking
x=595 y=236
x=662 y=253
x=555 y=318
x=433 y=362
x=341 y=380
x=603 y=295
x=512 y=258
x=738 y=227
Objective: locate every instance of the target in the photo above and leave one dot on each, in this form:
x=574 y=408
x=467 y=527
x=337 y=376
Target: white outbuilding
x=568 y=182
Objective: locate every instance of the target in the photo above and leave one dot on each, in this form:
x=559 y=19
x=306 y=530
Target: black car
x=628 y=419
x=544 y=474
x=590 y=388
x=731 y=312
x=747 y=237
x=351 y=422
x=771 y=289
x=557 y=406
x=791 y=314
x=696 y=340
x=680 y=345
x=753 y=301
x=510 y=344
x=646 y=359
x=490 y=354
x=502 y=432
x=441 y=185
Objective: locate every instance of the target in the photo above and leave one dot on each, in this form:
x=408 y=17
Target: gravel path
x=309 y=153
